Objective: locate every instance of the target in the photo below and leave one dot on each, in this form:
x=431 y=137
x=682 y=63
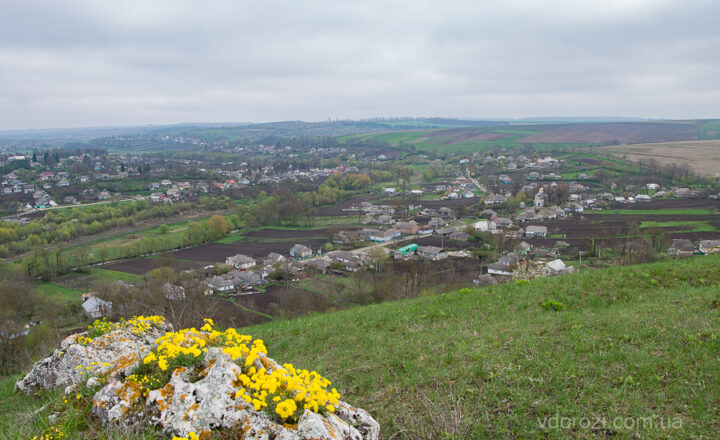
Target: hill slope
x=636 y=350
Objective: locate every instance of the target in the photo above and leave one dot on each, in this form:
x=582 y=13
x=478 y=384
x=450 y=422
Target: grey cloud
x=99 y=62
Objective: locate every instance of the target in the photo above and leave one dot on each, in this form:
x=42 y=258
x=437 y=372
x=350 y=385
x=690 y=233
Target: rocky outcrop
x=107 y=355
x=195 y=400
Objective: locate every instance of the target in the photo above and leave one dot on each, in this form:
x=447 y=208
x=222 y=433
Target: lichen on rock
x=193 y=382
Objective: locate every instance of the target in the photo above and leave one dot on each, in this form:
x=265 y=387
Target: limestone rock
x=199 y=399
x=107 y=355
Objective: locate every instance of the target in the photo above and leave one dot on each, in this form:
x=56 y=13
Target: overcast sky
x=84 y=63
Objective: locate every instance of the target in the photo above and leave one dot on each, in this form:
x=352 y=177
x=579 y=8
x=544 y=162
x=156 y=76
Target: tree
x=19 y=301
x=195 y=233
x=217 y=227
x=34 y=157
x=379 y=257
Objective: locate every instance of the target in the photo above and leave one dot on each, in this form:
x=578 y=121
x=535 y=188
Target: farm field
x=702 y=155
x=544 y=135
x=689 y=219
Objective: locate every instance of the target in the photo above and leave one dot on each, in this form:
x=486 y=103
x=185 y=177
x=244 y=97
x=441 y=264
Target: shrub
x=552 y=305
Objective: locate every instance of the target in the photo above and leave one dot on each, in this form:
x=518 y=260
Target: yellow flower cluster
x=286 y=386
x=83 y=340
x=93 y=365
x=51 y=433
x=141 y=324
x=145 y=382
x=188 y=343
x=282 y=391
x=191 y=436
x=136 y=325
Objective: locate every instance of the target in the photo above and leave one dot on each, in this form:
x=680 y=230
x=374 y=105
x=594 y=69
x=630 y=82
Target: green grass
x=690 y=226
x=688 y=211
x=66 y=293
x=114 y=275
x=631 y=342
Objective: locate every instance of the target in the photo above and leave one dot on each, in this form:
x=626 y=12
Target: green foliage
x=552 y=305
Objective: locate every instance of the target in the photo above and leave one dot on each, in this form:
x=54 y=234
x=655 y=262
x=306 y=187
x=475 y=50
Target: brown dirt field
x=674 y=204
x=606 y=133
x=283 y=296
x=454 y=136
x=297 y=234
x=218 y=252
x=337 y=209
x=702 y=156
x=140 y=266
x=591 y=161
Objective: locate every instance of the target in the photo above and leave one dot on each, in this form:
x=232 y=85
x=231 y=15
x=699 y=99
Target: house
x=446 y=213
x=96 y=308
x=503 y=222
x=495 y=199
x=405 y=252
x=437 y=222
x=433 y=253
x=389 y=192
x=505 y=179
x=407 y=227
x=653 y=186
x=550 y=213
x=341 y=256
x=528 y=216
x=683 y=192
x=682 y=247
x=347 y=237
x=273 y=258
x=156 y=197
x=558 y=267
x=385 y=219
x=220 y=284
x=70 y=200
x=173 y=292
x=460 y=236
x=642 y=198
x=709 y=246
x=499 y=269
x=533 y=176
x=84 y=179
x=300 y=251
x=103 y=195
x=445 y=231
x=468 y=194
x=319 y=265
x=246 y=278
x=540 y=199
x=484 y=225
x=505 y=264
x=575 y=207
x=536 y=231
x=385 y=236
x=46 y=175
x=240 y=261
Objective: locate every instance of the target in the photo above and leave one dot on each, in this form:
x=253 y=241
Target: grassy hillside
x=634 y=353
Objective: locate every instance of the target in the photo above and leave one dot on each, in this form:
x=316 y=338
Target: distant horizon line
x=545 y=119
